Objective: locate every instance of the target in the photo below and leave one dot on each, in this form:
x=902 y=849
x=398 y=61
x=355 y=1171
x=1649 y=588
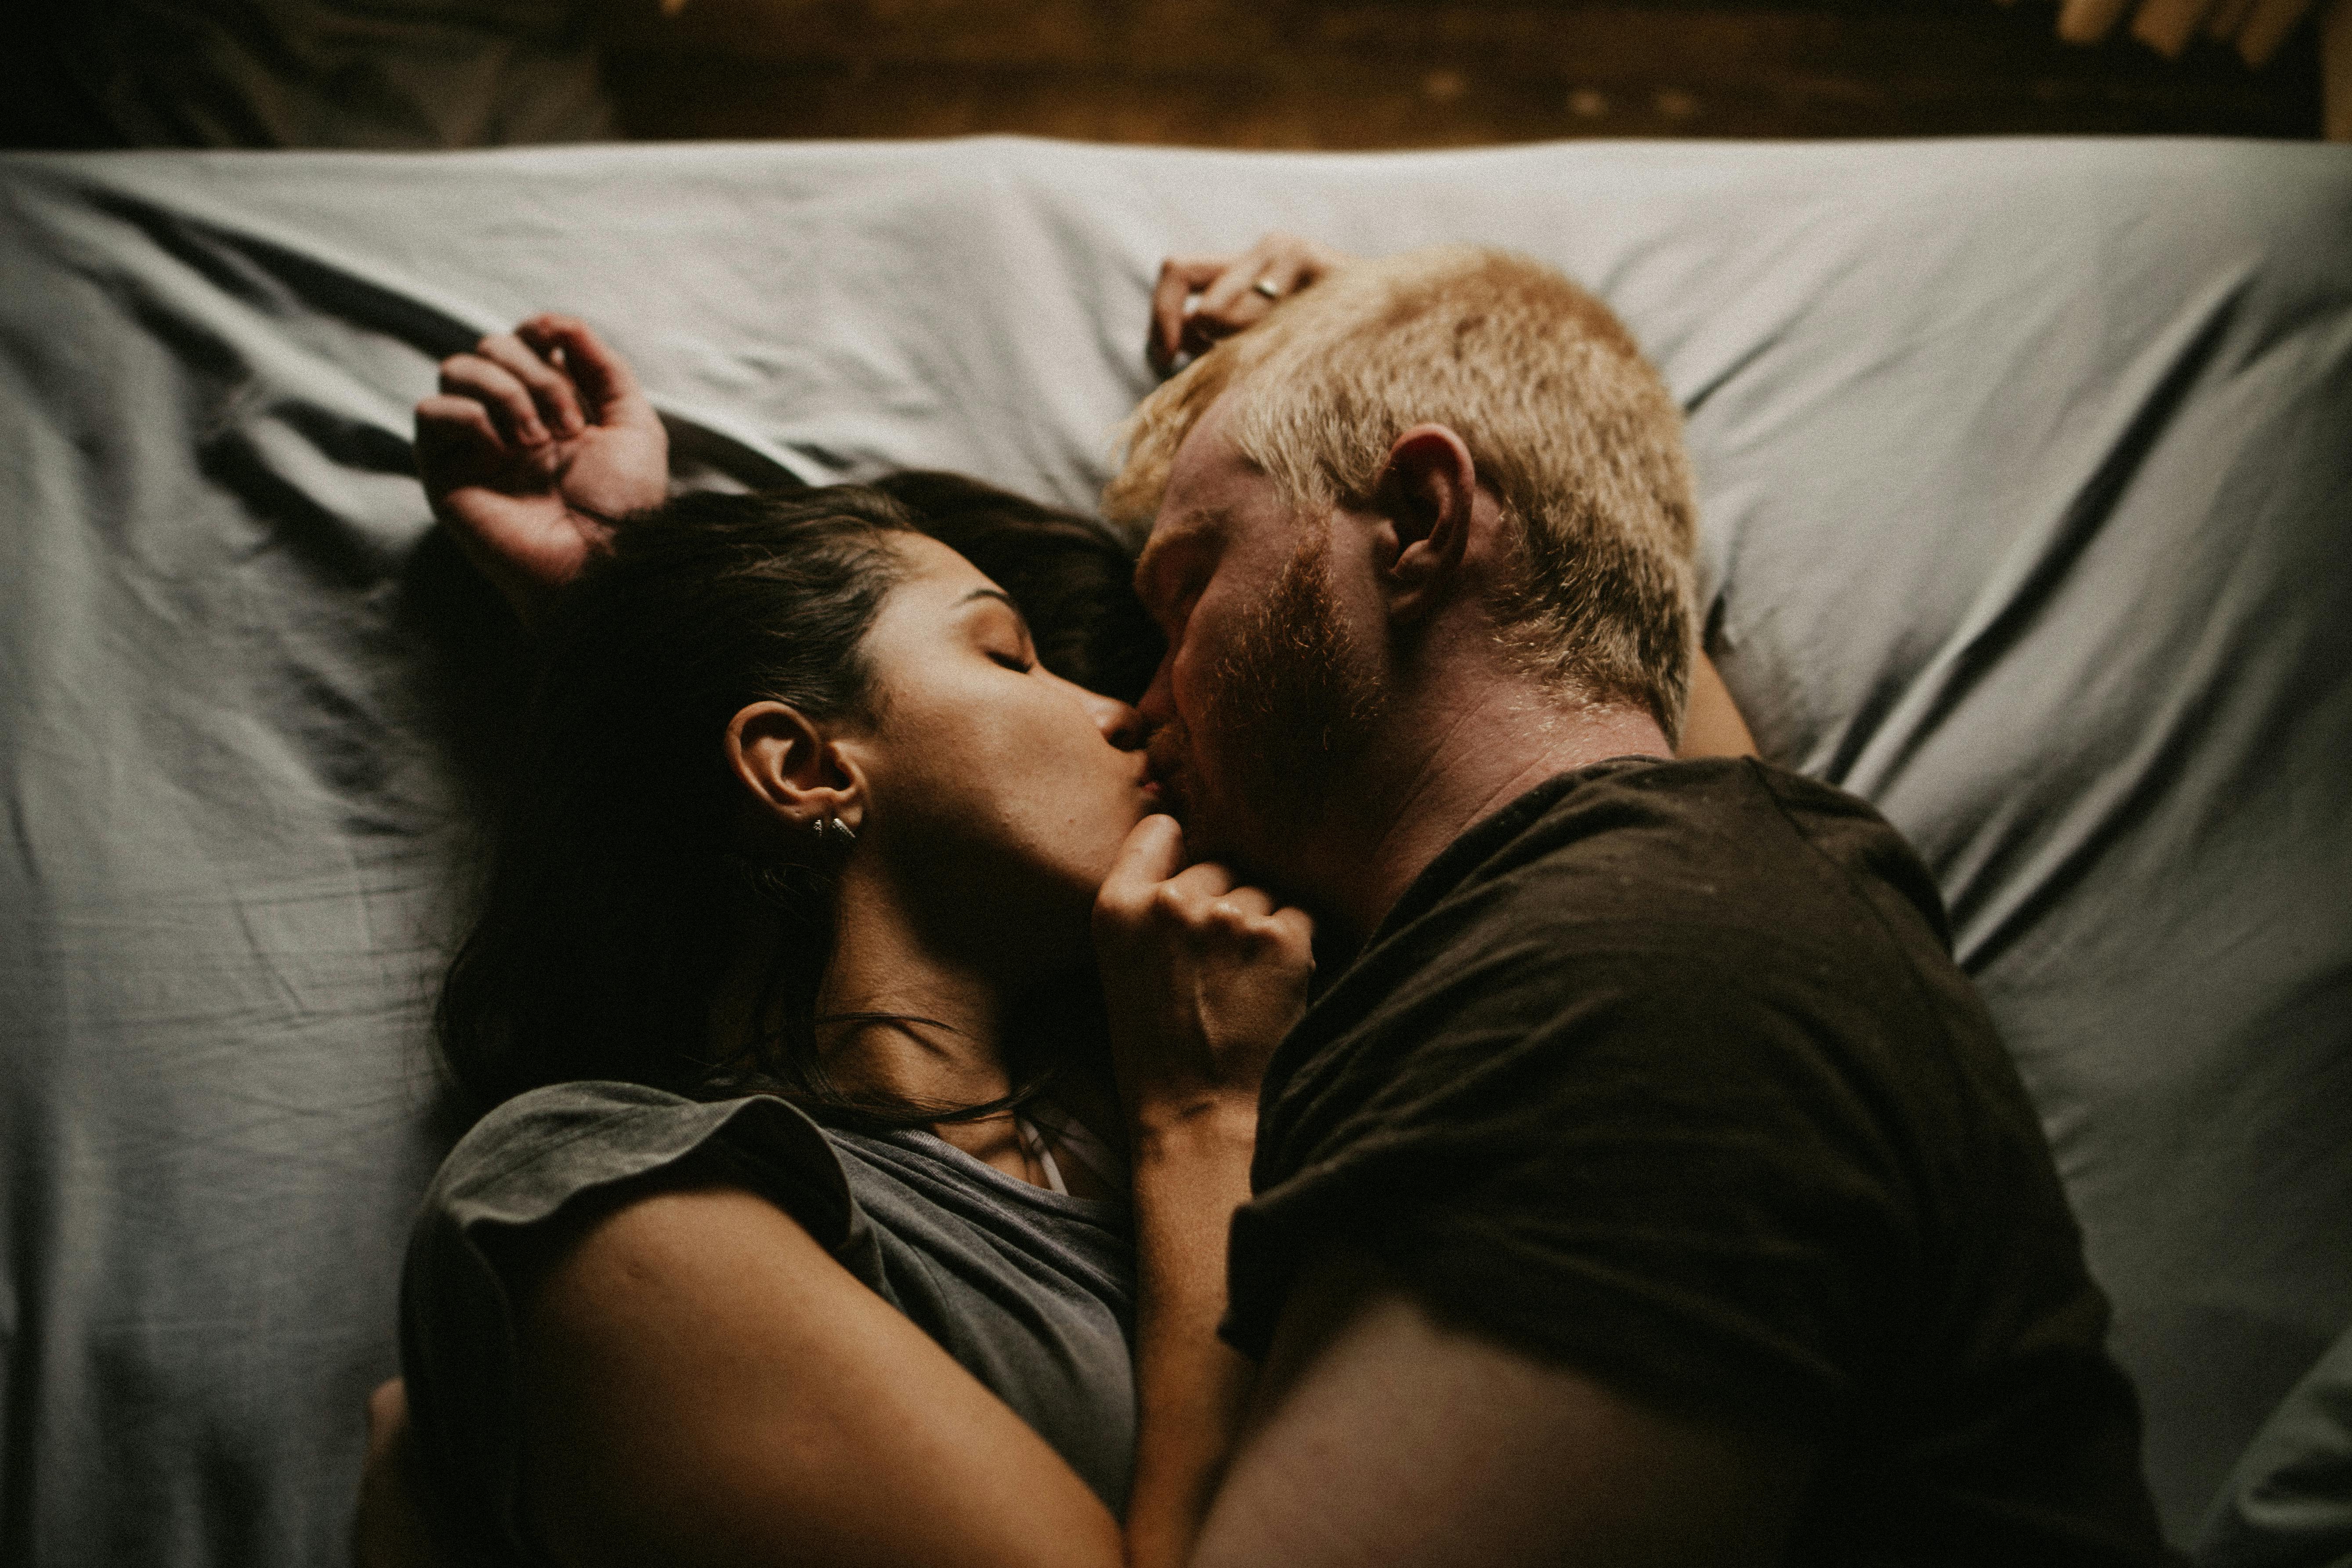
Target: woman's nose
x=1120 y=724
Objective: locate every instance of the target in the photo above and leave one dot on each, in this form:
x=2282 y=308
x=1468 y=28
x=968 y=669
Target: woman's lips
x=1163 y=794
x=1163 y=769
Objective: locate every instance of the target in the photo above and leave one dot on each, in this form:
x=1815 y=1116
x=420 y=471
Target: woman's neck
x=937 y=1034
x=899 y=1019
x=937 y=1026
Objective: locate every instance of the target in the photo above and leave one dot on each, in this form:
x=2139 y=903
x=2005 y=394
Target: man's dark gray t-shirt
x=1665 y=1073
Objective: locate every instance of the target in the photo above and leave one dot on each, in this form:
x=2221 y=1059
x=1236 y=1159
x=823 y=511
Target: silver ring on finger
x=1266 y=288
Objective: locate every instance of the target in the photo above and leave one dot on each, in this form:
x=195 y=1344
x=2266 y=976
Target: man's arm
x=1382 y=1438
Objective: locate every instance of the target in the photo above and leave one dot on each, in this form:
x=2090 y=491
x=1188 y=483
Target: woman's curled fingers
x=1202 y=299
x=550 y=388
x=601 y=376
x=1203 y=882
x=1180 y=278
x=500 y=390
x=1202 y=975
x=445 y=420
x=1244 y=904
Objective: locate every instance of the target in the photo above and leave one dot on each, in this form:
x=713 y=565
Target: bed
x=2027 y=483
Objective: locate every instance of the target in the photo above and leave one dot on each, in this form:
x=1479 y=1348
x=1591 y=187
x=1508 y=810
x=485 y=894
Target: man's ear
x=796 y=775
x=1427 y=494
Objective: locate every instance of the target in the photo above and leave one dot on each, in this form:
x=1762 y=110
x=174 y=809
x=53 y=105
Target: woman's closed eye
x=1000 y=632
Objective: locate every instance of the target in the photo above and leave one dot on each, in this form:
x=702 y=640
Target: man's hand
x=537 y=443
x=1200 y=298
x=1203 y=978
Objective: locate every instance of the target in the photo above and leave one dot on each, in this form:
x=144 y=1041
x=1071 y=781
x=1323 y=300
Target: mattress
x=2027 y=499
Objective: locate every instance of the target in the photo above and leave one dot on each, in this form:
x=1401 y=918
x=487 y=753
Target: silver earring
x=832 y=830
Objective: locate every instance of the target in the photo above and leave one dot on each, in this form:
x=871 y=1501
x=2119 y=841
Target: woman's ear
x=797 y=777
x=1428 y=494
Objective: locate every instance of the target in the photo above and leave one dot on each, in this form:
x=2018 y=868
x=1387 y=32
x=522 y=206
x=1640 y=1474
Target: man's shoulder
x=1670 y=1077
x=1674 y=849
x=1716 y=922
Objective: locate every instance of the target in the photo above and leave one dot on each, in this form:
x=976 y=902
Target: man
x=1649 y=1186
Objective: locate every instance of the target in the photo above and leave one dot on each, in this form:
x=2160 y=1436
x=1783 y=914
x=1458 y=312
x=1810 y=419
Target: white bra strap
x=1081 y=1144
x=1035 y=1146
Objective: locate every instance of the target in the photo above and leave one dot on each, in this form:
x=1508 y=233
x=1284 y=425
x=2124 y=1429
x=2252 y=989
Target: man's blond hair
x=1569 y=426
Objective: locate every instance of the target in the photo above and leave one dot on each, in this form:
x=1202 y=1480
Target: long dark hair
x=616 y=899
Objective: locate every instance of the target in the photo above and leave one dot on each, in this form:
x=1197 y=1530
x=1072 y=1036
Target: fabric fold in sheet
x=2289 y=1502
x=2024 y=487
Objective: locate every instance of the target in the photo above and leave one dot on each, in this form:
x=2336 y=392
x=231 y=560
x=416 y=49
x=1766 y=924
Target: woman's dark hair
x=616 y=898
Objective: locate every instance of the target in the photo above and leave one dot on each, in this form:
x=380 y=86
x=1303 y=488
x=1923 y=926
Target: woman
x=826 y=1261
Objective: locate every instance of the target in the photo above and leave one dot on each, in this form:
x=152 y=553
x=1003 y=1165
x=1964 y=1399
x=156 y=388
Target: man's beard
x=1285 y=715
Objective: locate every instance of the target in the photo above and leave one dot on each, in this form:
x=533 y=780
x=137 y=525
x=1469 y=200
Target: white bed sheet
x=2027 y=494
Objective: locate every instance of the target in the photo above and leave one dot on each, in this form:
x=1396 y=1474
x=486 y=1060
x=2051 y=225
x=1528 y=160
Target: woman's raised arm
x=538 y=442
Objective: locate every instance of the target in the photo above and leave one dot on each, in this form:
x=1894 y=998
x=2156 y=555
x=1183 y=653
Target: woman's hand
x=1200 y=298
x=537 y=444
x=391 y=1530
x=1203 y=978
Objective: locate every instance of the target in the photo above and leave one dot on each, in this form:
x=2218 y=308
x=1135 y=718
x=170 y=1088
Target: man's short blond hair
x=1569 y=426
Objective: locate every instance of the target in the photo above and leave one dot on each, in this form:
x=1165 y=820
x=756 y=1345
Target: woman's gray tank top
x=1032 y=1292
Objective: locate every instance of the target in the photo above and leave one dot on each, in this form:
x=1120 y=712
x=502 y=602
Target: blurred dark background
x=1242 y=73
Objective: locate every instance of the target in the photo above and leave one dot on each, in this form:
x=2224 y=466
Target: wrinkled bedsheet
x=2027 y=478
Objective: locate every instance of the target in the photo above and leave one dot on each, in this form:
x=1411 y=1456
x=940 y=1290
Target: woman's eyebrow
x=1003 y=598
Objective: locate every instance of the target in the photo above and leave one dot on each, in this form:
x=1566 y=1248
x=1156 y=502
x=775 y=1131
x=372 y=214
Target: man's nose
x=1157 y=705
